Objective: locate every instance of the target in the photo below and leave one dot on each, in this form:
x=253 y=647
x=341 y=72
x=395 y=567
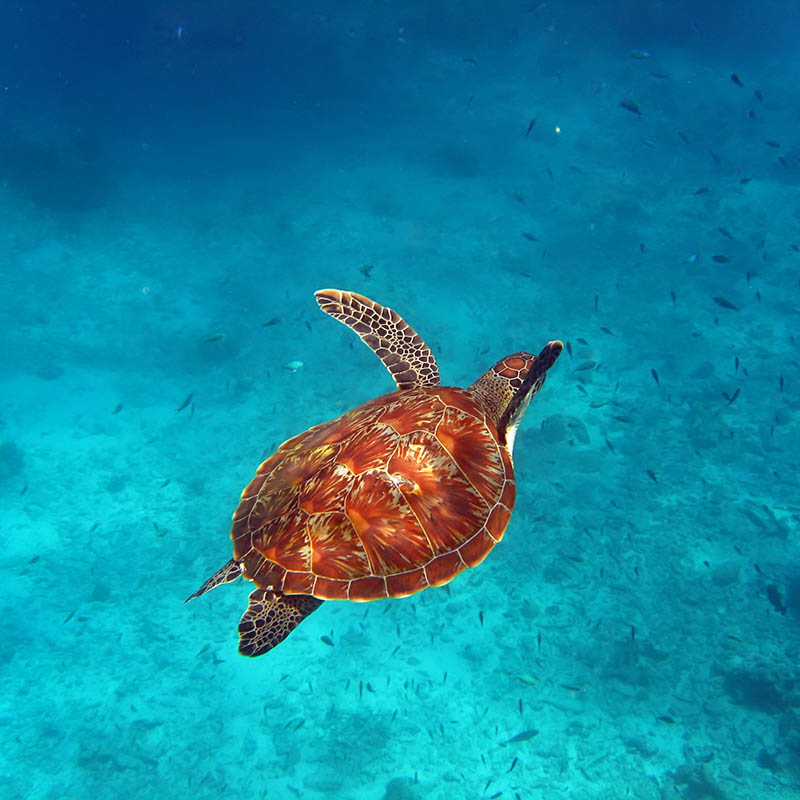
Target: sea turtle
x=399 y=494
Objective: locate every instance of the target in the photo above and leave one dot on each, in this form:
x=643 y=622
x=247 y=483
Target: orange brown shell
x=394 y=496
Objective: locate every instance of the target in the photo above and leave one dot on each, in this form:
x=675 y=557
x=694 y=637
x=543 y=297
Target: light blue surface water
x=175 y=182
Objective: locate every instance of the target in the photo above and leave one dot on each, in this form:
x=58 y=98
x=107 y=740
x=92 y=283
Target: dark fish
x=117 y=409
x=214 y=337
x=772 y=143
x=523 y=736
x=549 y=173
x=480 y=616
x=581 y=340
x=641 y=247
x=640 y=55
x=684 y=137
x=715 y=156
x=185 y=403
x=731 y=398
x=655 y=377
x=758 y=95
x=651 y=475
x=723 y=303
x=673 y=296
x=633 y=632
x=513 y=764
x=736 y=79
x=720 y=259
x=530 y=237
x=744 y=181
x=569 y=349
x=702 y=190
x=270 y=322
x=774 y=597
x=662 y=76
x=665 y=718
x=518 y=197
x=469 y=60
x=366 y=270
x=596 y=300
x=607 y=331
x=531 y=125
x=726 y=233
x=629 y=105
x=326 y=640
x=576 y=169
x=585 y=365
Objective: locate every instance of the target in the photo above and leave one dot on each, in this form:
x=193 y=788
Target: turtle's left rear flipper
x=225 y=574
x=270 y=618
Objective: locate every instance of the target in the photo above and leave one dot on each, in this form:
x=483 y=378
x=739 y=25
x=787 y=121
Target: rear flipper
x=225 y=574
x=270 y=618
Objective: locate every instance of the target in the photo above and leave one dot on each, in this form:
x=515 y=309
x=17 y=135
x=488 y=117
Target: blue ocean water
x=176 y=180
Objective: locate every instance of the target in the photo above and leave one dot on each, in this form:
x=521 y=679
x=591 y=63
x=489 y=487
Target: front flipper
x=387 y=334
x=225 y=574
x=270 y=618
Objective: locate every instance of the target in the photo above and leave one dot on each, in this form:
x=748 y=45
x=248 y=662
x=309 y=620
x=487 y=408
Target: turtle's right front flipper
x=270 y=618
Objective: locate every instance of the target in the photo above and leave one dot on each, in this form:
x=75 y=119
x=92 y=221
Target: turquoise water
x=177 y=180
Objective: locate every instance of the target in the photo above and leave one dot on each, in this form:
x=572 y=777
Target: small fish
x=326 y=640
x=726 y=233
x=633 y=632
x=702 y=190
x=530 y=237
x=720 y=259
x=469 y=60
x=629 y=105
x=662 y=76
x=185 y=403
x=715 y=157
x=585 y=365
x=117 y=409
x=550 y=173
x=531 y=126
x=640 y=55
x=293 y=366
x=179 y=32
x=736 y=79
x=655 y=377
x=270 y=322
x=513 y=764
x=684 y=137
x=214 y=337
x=772 y=143
x=366 y=269
x=607 y=331
x=569 y=349
x=665 y=718
x=651 y=475
x=523 y=736
x=673 y=296
x=581 y=340
x=723 y=303
x=480 y=616
x=744 y=181
x=732 y=398
x=774 y=597
x=758 y=95
x=518 y=197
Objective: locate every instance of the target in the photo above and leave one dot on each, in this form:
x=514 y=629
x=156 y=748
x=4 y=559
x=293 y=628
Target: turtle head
x=507 y=388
